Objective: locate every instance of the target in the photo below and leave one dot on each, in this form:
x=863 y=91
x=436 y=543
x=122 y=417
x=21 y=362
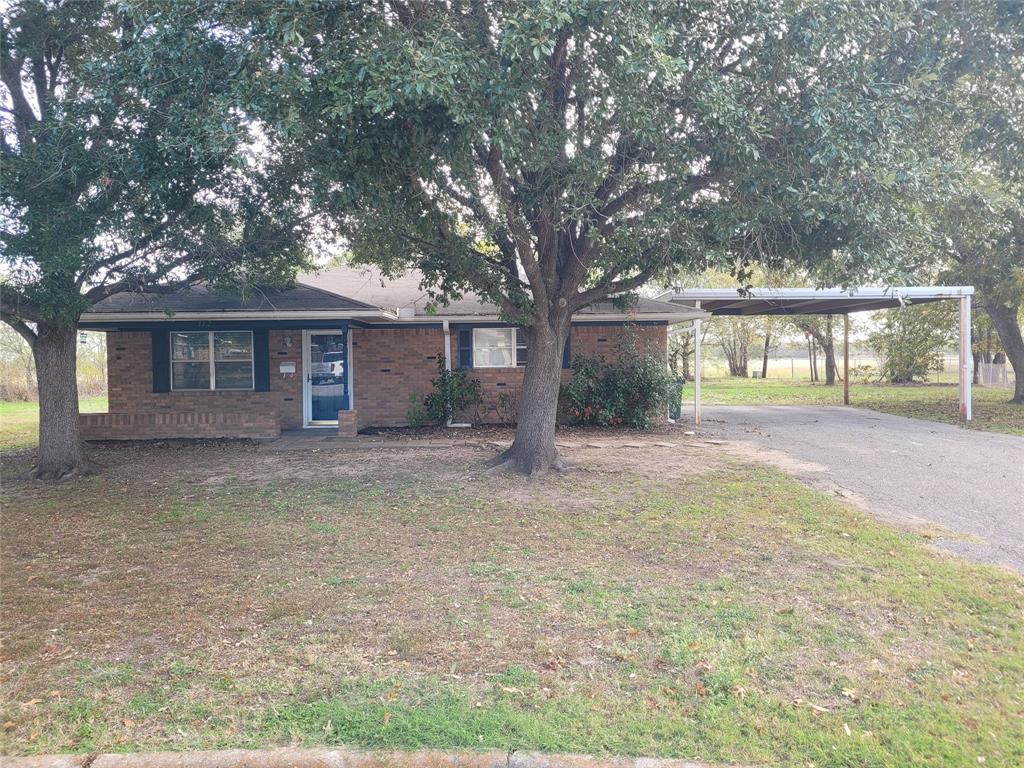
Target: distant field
x=19 y=422
x=936 y=402
x=797 y=370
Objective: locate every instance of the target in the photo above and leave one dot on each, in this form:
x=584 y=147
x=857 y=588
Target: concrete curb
x=338 y=758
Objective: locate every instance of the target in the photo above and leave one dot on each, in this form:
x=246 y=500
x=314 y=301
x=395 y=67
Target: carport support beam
x=846 y=359
x=696 y=369
x=966 y=358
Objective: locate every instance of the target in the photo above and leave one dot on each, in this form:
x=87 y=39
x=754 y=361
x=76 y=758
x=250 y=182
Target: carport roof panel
x=809 y=301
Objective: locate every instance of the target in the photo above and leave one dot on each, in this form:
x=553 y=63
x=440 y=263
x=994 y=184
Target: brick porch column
x=348 y=425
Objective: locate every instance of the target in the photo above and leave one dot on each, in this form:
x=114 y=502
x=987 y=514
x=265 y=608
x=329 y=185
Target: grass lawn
x=670 y=601
x=936 y=402
x=19 y=422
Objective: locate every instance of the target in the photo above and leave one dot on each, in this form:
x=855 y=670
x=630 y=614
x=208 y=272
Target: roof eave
x=296 y=314
x=671 y=317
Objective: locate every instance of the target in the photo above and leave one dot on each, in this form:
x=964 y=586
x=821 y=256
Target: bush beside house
x=632 y=390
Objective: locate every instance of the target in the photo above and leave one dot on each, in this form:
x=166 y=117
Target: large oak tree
x=549 y=154
x=122 y=167
x=979 y=126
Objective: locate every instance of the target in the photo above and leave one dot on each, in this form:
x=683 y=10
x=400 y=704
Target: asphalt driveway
x=907 y=471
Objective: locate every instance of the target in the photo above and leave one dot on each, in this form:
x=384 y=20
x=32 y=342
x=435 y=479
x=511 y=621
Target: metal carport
x=826 y=301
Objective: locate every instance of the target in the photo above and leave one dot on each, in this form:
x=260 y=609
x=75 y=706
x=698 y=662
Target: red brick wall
x=160 y=425
x=130 y=382
x=601 y=340
x=606 y=340
x=389 y=365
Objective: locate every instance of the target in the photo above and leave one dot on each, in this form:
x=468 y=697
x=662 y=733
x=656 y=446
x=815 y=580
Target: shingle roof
x=340 y=289
x=201 y=299
x=406 y=292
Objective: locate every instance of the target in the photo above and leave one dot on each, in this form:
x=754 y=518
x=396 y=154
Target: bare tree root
x=61 y=473
x=507 y=463
x=501 y=458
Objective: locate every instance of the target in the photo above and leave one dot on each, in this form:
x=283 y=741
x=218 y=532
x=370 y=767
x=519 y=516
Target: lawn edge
x=291 y=757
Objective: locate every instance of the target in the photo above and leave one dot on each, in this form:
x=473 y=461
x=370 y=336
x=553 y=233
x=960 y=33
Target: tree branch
x=40 y=86
x=603 y=217
x=143 y=242
x=609 y=286
x=24 y=117
x=490 y=160
x=14 y=304
x=149 y=283
x=19 y=325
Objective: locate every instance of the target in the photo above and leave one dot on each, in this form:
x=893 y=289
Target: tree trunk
x=533 y=451
x=830 y=365
x=736 y=356
x=1005 y=320
x=764 y=357
x=61 y=454
x=829 y=345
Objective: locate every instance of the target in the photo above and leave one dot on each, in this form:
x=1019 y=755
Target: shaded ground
x=905 y=470
x=671 y=601
x=936 y=402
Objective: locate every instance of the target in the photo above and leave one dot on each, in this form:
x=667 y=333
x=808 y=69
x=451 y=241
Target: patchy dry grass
x=666 y=601
x=992 y=409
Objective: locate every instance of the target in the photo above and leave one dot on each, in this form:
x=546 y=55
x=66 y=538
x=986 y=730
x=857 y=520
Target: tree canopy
x=565 y=150
x=549 y=154
x=978 y=128
x=123 y=158
x=124 y=165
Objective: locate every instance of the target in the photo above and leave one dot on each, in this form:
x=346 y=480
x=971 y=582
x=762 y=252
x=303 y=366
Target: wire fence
x=862 y=368
x=999 y=375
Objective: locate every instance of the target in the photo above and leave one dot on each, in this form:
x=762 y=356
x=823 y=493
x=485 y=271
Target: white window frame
x=213 y=364
x=515 y=346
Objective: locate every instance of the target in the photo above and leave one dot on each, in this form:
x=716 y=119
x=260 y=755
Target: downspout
x=447 y=345
x=446 y=328
x=672 y=373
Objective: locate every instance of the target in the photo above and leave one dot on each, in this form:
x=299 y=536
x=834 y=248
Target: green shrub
x=675 y=397
x=910 y=341
x=453 y=393
x=416 y=415
x=632 y=390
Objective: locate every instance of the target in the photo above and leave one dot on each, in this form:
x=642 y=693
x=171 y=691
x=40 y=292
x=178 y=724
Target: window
x=211 y=360
x=498 y=348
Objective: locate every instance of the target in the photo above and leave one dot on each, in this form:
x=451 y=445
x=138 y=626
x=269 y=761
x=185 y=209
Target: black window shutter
x=465 y=347
x=161 y=357
x=567 y=351
x=520 y=347
x=261 y=360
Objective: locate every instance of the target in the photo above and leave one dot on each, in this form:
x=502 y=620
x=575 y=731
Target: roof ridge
x=326 y=292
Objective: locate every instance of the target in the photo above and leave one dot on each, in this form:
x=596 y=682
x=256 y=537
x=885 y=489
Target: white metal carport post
x=696 y=368
x=966 y=357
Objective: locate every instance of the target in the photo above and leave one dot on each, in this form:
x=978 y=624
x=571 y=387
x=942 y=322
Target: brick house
x=343 y=349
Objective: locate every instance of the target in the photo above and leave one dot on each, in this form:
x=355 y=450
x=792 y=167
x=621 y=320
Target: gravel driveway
x=907 y=471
